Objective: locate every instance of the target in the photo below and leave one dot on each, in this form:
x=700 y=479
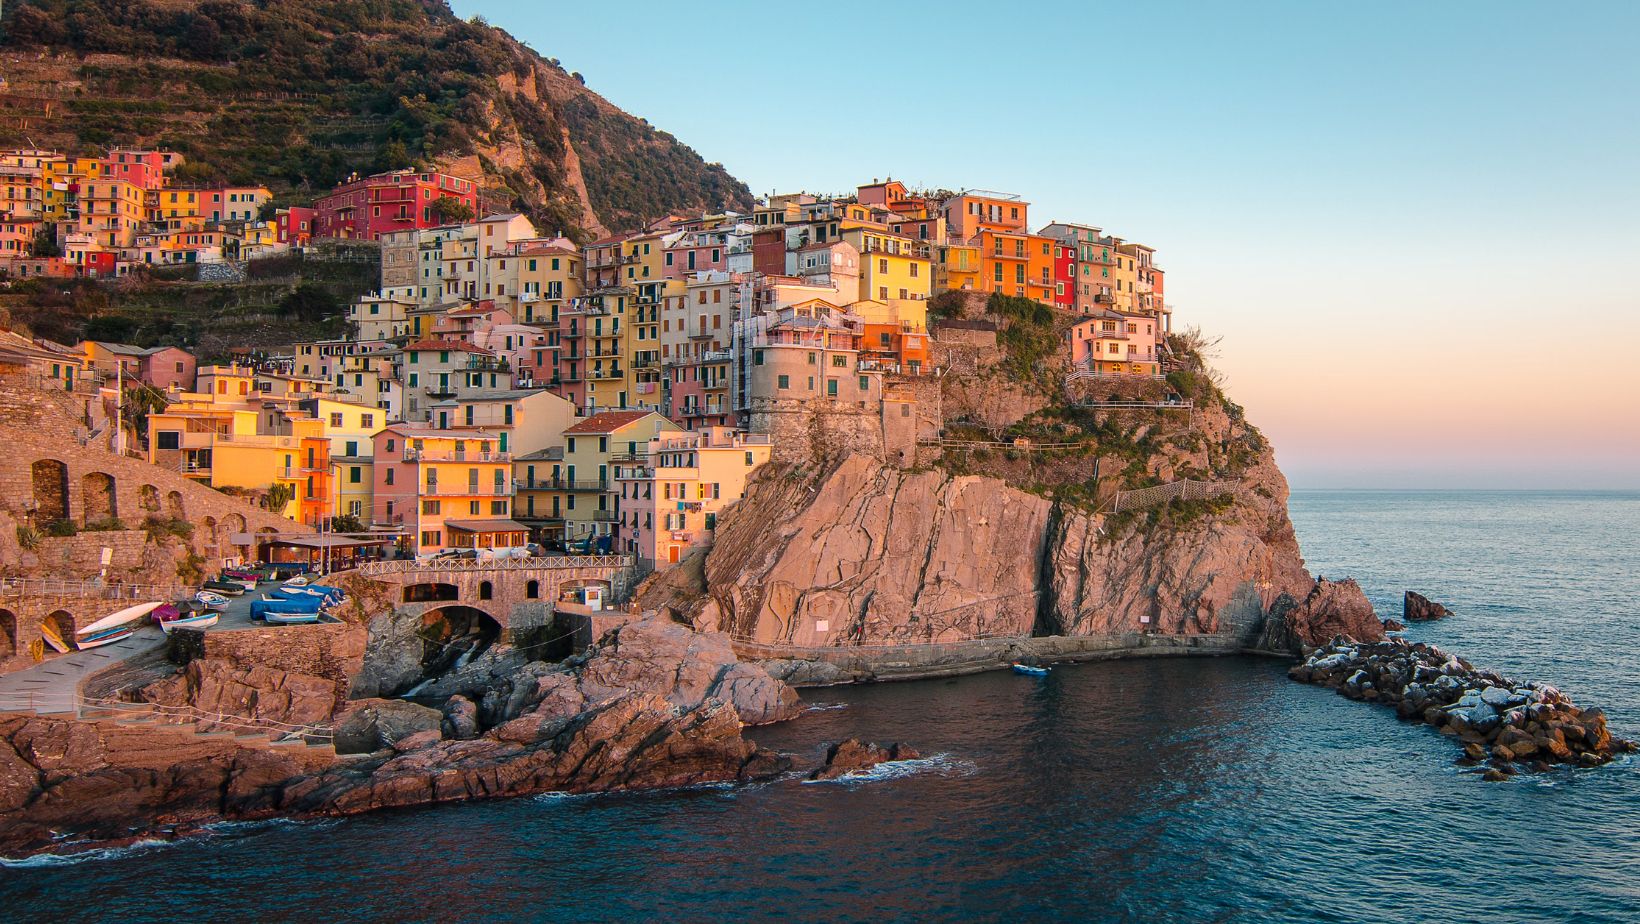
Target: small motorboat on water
x=1030 y=670
x=115 y=627
x=230 y=588
x=211 y=601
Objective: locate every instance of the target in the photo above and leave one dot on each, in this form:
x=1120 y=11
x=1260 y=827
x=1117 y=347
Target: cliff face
x=864 y=553
x=296 y=95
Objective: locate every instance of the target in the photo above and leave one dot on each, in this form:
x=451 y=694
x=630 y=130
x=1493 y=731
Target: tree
x=309 y=302
x=110 y=328
x=346 y=523
x=278 y=497
x=395 y=156
x=44 y=244
x=452 y=211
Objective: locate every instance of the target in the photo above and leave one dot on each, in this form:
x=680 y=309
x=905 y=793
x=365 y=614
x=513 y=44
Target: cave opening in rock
x=451 y=636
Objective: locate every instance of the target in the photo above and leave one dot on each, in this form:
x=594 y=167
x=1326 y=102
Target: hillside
x=297 y=94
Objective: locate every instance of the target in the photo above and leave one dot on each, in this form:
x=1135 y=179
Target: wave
x=824 y=707
x=43 y=860
x=943 y=765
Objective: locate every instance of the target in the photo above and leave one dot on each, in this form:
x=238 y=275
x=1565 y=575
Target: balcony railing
x=466 y=490
x=605 y=516
x=560 y=484
x=455 y=455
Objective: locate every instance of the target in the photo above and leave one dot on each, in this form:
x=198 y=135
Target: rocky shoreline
x=1502 y=725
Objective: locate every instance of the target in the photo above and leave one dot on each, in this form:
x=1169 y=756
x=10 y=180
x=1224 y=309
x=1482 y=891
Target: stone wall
x=48 y=474
x=810 y=431
x=334 y=651
x=81 y=554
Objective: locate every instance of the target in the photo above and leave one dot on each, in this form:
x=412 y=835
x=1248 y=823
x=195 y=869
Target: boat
x=52 y=638
x=231 y=588
x=168 y=611
x=242 y=574
x=1030 y=670
x=270 y=608
x=115 y=627
x=211 y=601
x=280 y=619
x=298 y=581
x=202 y=619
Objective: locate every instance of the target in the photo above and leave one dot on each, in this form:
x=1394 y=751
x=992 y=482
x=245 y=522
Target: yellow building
x=592 y=449
x=533 y=280
x=893 y=267
x=447 y=489
x=957 y=268
x=112 y=211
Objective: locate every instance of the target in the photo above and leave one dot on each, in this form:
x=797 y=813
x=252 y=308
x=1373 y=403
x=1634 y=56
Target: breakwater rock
x=1499 y=722
x=1415 y=607
x=851 y=756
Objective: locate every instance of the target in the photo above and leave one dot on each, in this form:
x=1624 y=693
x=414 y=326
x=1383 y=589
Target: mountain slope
x=296 y=94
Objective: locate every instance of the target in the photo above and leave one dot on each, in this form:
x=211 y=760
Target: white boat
x=290 y=618
x=298 y=581
x=196 y=621
x=114 y=627
x=211 y=601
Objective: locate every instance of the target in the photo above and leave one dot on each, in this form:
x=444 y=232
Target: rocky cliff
x=1020 y=542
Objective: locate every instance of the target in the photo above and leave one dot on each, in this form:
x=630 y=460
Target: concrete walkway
x=51 y=687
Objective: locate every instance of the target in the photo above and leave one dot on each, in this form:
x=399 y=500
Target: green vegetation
x=297 y=94
x=105 y=525
x=1028 y=338
x=60 y=528
x=28 y=537
x=158 y=528
x=278 y=497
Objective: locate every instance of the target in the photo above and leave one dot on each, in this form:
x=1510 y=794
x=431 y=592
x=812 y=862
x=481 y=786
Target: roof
x=549 y=454
x=487 y=526
x=609 y=421
x=325 y=542
x=453 y=346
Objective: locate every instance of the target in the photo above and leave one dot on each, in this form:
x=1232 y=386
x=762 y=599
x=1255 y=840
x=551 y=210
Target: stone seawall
x=813 y=667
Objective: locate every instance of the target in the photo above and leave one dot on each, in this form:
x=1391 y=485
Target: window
x=354 y=474
x=336 y=420
x=168 y=439
x=485 y=590
x=389 y=477
x=430 y=508
x=831 y=388
x=839 y=361
x=784 y=382
x=749 y=459
x=532 y=589
x=865 y=383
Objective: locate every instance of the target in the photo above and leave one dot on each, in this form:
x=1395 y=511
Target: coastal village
x=507 y=388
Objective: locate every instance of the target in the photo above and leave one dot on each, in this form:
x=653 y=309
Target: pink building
x=140 y=168
x=671 y=504
x=1113 y=343
x=697 y=396
x=295 y=225
x=400 y=201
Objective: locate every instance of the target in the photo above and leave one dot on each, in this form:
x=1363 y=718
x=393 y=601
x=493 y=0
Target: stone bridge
x=519 y=594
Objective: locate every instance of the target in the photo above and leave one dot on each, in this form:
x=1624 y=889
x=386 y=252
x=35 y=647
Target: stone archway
x=98 y=501
x=173 y=506
x=57 y=629
x=429 y=592
x=50 y=491
x=453 y=635
x=148 y=498
x=8 y=633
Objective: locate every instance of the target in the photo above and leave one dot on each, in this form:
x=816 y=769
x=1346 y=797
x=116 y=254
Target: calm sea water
x=1164 y=790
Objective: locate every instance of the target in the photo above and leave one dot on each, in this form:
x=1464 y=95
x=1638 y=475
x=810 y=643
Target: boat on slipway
x=115 y=627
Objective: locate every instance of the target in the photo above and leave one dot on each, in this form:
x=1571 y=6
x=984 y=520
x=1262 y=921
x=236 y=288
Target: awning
x=487 y=526
x=325 y=542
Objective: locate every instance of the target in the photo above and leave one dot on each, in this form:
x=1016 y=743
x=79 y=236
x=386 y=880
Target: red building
x=400 y=201
x=145 y=169
x=295 y=225
x=1064 y=277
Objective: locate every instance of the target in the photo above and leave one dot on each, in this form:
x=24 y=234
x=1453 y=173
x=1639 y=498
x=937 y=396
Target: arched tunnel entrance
x=451 y=636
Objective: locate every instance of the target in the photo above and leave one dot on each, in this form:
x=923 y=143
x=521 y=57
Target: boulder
x=373 y=724
x=460 y=718
x=260 y=694
x=1416 y=607
x=1392 y=625
x=852 y=756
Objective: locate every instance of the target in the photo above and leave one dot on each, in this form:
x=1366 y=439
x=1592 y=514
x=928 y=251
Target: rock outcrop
x=866 y=553
x=1498 y=721
x=263 y=694
x=1416 y=607
x=851 y=756
x=652 y=705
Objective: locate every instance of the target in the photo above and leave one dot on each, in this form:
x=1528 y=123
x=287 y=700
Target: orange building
x=975 y=210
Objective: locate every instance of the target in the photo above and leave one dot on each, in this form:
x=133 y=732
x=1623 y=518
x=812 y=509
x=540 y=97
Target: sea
x=1158 y=790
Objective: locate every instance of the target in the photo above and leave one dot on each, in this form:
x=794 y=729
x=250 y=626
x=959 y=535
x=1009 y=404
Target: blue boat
x=1030 y=670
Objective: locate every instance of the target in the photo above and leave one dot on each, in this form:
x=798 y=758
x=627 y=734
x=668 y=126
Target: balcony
x=466 y=490
x=605 y=374
x=605 y=516
x=455 y=455
x=487 y=365
x=560 y=484
x=630 y=457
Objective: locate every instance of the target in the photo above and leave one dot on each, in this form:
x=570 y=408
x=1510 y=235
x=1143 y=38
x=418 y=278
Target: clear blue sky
x=1414 y=224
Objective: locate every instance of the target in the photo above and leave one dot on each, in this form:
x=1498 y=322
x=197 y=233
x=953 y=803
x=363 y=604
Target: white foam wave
x=825 y=707
x=943 y=765
x=43 y=860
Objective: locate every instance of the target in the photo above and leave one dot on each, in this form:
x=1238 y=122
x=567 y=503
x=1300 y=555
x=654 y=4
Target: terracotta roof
x=454 y=346
x=608 y=421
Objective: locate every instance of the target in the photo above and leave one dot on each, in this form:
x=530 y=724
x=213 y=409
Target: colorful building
x=368 y=207
x=447 y=488
x=669 y=503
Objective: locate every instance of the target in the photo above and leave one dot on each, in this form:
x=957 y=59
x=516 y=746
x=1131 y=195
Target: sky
x=1415 y=226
